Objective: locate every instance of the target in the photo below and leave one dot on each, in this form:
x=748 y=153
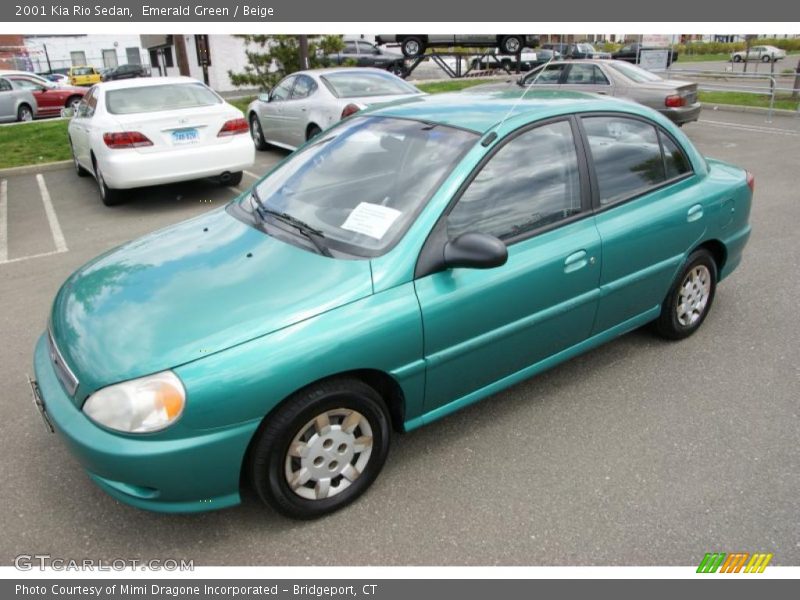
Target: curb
x=39 y=168
x=782 y=112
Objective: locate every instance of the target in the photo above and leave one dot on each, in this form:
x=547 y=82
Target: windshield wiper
x=312 y=234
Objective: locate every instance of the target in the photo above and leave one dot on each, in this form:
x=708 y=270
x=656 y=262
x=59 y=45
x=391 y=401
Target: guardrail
x=746 y=83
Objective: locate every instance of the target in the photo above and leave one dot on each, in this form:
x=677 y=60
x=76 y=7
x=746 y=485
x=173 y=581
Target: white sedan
x=140 y=132
x=306 y=102
x=763 y=53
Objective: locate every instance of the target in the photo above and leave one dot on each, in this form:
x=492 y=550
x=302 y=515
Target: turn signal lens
x=234 y=127
x=139 y=405
x=126 y=139
x=751 y=182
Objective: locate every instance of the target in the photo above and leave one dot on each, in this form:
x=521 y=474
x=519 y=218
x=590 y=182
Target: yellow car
x=84 y=76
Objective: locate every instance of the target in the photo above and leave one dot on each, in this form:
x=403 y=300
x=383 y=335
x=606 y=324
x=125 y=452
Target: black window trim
x=596 y=206
x=436 y=236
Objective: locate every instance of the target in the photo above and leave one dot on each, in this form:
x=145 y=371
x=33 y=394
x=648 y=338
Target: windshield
x=151 y=98
x=83 y=71
x=348 y=84
x=363 y=183
x=586 y=48
x=634 y=73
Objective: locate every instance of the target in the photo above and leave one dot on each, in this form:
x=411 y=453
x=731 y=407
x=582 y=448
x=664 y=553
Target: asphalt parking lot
x=641 y=452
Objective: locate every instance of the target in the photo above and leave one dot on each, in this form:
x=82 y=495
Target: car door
x=586 y=77
x=8 y=104
x=481 y=326
x=296 y=109
x=48 y=102
x=80 y=127
x=271 y=114
x=647 y=213
x=348 y=53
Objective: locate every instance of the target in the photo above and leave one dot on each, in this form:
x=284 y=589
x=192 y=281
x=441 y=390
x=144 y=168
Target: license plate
x=39 y=404
x=185 y=136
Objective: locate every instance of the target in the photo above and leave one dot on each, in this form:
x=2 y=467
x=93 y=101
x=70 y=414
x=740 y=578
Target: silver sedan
x=306 y=102
x=16 y=104
x=676 y=100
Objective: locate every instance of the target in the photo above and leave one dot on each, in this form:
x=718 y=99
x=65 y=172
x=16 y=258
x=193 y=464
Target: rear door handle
x=576 y=260
x=694 y=213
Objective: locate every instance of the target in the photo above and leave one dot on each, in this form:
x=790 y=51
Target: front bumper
x=125 y=169
x=198 y=472
x=683 y=114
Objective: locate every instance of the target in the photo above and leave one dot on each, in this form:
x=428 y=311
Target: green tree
x=272 y=57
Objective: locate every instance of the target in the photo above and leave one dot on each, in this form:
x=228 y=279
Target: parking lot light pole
x=796 y=86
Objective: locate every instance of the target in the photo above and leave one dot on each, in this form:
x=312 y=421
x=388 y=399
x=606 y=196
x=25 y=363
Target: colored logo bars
x=734 y=562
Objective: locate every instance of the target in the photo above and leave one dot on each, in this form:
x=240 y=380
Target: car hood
x=188 y=291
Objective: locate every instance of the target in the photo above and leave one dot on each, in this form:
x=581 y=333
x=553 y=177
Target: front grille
x=63 y=372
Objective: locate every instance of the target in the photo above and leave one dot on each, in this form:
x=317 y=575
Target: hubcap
x=328 y=454
x=27 y=115
x=412 y=47
x=693 y=295
x=101 y=182
x=255 y=130
x=513 y=45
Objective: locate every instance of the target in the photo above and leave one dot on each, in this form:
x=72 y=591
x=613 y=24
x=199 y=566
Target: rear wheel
x=312 y=132
x=689 y=300
x=24 y=113
x=109 y=196
x=399 y=69
x=737 y=58
x=321 y=449
x=257 y=133
x=234 y=179
x=766 y=58
x=511 y=44
x=72 y=102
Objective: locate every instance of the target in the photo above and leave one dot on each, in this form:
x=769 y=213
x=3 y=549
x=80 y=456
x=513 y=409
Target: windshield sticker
x=370 y=219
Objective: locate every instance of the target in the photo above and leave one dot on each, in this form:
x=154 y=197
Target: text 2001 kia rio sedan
x=408 y=262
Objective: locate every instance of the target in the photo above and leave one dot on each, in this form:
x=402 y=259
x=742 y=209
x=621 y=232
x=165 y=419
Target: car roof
x=480 y=111
x=329 y=70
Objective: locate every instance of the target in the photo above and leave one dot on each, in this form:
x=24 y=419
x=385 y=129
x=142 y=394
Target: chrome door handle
x=694 y=213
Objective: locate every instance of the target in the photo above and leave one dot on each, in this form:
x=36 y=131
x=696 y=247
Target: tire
x=234 y=179
x=412 y=46
x=511 y=44
x=257 y=134
x=737 y=58
x=312 y=132
x=696 y=286
x=24 y=113
x=398 y=69
x=295 y=443
x=79 y=170
x=766 y=58
x=72 y=102
x=109 y=196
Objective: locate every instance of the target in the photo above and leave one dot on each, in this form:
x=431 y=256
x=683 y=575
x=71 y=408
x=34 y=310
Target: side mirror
x=474 y=250
x=264 y=97
x=68 y=113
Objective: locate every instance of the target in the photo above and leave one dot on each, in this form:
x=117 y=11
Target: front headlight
x=139 y=405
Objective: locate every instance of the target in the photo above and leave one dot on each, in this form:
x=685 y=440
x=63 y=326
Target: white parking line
x=21 y=258
x=3 y=221
x=253 y=175
x=747 y=127
x=55 y=227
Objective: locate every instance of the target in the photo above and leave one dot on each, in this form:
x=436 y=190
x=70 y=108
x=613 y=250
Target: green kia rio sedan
x=410 y=261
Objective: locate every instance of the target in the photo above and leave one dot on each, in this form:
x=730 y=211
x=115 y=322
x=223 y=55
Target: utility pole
x=303 y=39
x=796 y=90
x=748 y=40
x=47 y=57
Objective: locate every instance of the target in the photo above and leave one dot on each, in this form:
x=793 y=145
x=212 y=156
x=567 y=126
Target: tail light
x=751 y=182
x=675 y=101
x=234 y=127
x=126 y=139
x=350 y=109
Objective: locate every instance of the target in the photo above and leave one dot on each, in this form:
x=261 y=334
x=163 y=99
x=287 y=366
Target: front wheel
x=511 y=44
x=766 y=59
x=737 y=58
x=321 y=449
x=689 y=300
x=412 y=46
x=24 y=113
x=257 y=133
x=399 y=69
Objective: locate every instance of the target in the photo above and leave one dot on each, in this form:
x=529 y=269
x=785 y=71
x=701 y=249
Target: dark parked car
x=577 y=50
x=126 y=72
x=528 y=59
x=361 y=53
x=415 y=45
x=631 y=52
